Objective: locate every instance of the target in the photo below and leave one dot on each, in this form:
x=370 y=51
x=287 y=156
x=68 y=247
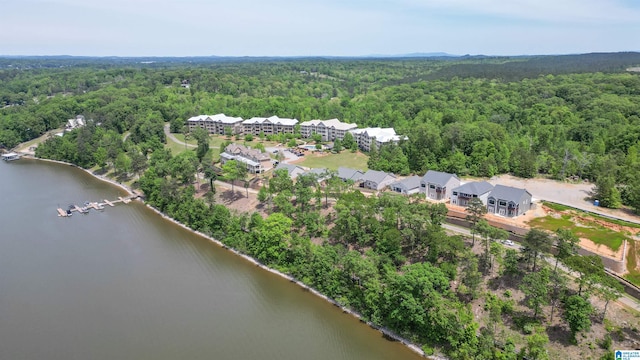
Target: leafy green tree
x=122 y=164
x=202 y=137
x=566 y=245
x=475 y=210
x=536 y=346
x=337 y=145
x=609 y=290
x=348 y=141
x=577 y=313
x=270 y=241
x=589 y=268
x=536 y=242
x=211 y=175
x=535 y=286
x=230 y=169
x=607 y=193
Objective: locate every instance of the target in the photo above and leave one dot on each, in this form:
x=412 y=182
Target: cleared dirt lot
x=574 y=195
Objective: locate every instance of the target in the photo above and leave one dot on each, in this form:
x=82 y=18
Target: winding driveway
x=175 y=139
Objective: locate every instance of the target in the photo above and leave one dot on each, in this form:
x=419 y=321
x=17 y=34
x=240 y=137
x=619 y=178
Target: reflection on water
x=126 y=284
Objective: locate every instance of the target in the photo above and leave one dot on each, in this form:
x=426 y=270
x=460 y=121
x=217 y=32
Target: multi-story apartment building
x=216 y=124
x=328 y=129
x=269 y=126
x=365 y=137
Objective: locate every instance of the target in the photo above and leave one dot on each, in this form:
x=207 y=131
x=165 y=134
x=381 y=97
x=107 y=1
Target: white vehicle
x=508 y=242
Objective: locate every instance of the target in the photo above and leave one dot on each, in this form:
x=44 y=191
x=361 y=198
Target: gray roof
x=409 y=183
x=349 y=174
x=475 y=188
x=289 y=167
x=318 y=172
x=508 y=193
x=375 y=176
x=438 y=178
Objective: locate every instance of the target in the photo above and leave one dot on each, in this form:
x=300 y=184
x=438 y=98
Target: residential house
x=216 y=124
x=257 y=162
x=476 y=189
x=328 y=129
x=376 y=180
x=508 y=201
x=381 y=136
x=321 y=174
x=438 y=185
x=293 y=170
x=269 y=126
x=408 y=186
x=346 y=174
x=75 y=123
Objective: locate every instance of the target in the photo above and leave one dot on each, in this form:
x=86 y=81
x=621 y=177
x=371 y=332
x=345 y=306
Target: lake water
x=126 y=284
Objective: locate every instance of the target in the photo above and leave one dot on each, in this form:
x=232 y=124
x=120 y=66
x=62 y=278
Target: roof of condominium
x=508 y=193
x=438 y=177
x=381 y=134
x=411 y=182
x=273 y=119
x=334 y=123
x=216 y=118
x=375 y=176
x=241 y=150
x=474 y=188
x=349 y=174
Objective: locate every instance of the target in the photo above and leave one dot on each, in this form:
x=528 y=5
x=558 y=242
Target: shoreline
x=384 y=331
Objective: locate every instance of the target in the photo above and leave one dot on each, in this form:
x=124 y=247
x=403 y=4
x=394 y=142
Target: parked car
x=508 y=242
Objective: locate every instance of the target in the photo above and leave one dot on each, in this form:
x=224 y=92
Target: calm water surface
x=126 y=284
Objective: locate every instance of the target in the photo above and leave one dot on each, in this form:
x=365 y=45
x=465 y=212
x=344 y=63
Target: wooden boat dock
x=98 y=206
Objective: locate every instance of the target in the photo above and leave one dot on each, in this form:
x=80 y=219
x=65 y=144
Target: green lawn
x=596 y=233
x=346 y=158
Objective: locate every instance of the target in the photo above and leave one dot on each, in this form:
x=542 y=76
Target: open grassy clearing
x=346 y=158
x=594 y=232
x=559 y=207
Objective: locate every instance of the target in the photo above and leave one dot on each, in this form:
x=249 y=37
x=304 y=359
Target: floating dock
x=94 y=205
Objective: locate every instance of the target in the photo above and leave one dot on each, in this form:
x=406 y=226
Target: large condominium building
x=268 y=126
x=216 y=124
x=328 y=129
x=256 y=161
x=365 y=137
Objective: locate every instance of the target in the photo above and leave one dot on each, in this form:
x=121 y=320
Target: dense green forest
x=386 y=257
x=470 y=116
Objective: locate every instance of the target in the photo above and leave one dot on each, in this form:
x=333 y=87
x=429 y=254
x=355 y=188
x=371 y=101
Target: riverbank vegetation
x=386 y=257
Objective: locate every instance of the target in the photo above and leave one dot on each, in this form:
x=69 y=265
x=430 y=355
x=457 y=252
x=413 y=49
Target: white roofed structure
x=365 y=137
x=216 y=124
x=329 y=129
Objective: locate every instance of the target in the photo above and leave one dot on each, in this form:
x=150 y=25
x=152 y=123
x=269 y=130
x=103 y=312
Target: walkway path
x=175 y=139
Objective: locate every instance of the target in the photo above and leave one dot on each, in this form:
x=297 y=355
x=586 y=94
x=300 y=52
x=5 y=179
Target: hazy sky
x=312 y=27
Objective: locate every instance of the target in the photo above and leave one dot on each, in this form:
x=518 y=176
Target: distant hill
x=517 y=68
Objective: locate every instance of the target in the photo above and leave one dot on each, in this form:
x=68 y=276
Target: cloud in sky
x=306 y=27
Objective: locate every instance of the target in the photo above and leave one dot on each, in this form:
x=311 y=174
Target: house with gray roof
x=321 y=174
x=408 y=186
x=476 y=189
x=346 y=174
x=293 y=170
x=376 y=180
x=438 y=185
x=257 y=162
x=508 y=201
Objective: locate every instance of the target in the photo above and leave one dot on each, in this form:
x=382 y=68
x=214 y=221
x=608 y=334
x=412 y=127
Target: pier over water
x=99 y=206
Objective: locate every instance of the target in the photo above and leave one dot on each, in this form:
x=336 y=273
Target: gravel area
x=570 y=194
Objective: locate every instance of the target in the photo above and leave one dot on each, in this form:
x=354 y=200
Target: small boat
x=69 y=213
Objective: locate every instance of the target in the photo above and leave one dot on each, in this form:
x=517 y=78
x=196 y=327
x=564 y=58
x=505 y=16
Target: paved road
x=175 y=139
x=626 y=299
